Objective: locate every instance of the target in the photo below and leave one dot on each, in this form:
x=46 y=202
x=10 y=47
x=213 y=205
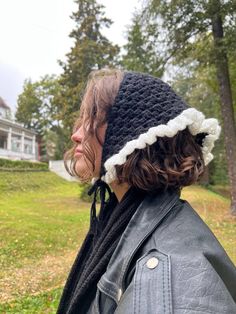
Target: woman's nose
x=77 y=135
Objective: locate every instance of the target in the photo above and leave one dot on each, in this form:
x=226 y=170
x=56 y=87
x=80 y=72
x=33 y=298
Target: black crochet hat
x=145 y=109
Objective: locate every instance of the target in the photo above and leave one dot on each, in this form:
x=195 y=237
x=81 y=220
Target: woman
x=147 y=251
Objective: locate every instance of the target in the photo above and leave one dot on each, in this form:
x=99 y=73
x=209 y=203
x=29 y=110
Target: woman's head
x=90 y=127
x=136 y=129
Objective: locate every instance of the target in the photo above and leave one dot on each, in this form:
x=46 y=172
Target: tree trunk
x=222 y=69
x=205 y=176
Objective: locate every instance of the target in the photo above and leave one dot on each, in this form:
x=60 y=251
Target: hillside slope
x=43 y=223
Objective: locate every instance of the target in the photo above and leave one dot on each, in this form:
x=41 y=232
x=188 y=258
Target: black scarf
x=100 y=242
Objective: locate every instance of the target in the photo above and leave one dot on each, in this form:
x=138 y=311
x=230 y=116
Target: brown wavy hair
x=100 y=92
x=169 y=163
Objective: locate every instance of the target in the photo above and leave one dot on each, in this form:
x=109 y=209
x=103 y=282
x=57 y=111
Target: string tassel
x=103 y=187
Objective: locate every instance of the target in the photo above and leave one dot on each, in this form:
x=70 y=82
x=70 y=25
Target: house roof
x=3 y=104
x=15 y=125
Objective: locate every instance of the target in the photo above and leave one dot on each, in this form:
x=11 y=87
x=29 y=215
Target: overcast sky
x=34 y=35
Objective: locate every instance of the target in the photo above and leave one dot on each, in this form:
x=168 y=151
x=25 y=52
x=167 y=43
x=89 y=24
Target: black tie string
x=95 y=227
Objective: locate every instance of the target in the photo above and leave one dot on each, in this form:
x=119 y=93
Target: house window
x=2 y=112
x=28 y=146
x=3 y=140
x=16 y=143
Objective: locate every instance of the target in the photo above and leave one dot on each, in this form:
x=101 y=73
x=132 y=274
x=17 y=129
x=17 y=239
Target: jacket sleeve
x=173 y=284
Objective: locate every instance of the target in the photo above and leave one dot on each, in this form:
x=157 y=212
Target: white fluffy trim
x=191 y=118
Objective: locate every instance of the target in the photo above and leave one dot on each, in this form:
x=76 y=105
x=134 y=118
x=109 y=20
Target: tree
x=91 y=50
x=28 y=107
x=188 y=22
x=222 y=68
x=36 y=109
x=198 y=87
x=140 y=53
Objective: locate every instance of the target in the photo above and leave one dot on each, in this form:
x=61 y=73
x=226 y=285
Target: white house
x=16 y=142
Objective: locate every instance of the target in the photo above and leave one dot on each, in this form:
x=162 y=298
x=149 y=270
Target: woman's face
x=83 y=166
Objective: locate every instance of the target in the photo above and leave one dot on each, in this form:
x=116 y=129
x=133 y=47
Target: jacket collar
x=146 y=218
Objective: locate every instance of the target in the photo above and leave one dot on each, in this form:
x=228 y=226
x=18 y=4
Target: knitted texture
x=144 y=109
x=141 y=103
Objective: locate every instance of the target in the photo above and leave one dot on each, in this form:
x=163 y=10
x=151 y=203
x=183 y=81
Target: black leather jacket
x=167 y=261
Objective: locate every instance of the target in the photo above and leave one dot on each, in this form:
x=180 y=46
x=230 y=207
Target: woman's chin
x=82 y=172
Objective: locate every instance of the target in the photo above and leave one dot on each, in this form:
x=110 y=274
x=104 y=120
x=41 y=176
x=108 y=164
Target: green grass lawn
x=43 y=223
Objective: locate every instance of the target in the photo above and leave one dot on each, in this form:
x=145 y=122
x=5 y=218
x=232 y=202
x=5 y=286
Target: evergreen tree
x=140 y=53
x=91 y=50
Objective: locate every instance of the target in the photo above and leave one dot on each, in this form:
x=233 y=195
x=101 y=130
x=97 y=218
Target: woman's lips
x=78 y=152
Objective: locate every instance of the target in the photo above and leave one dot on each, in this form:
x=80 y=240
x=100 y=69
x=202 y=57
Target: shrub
x=22 y=165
